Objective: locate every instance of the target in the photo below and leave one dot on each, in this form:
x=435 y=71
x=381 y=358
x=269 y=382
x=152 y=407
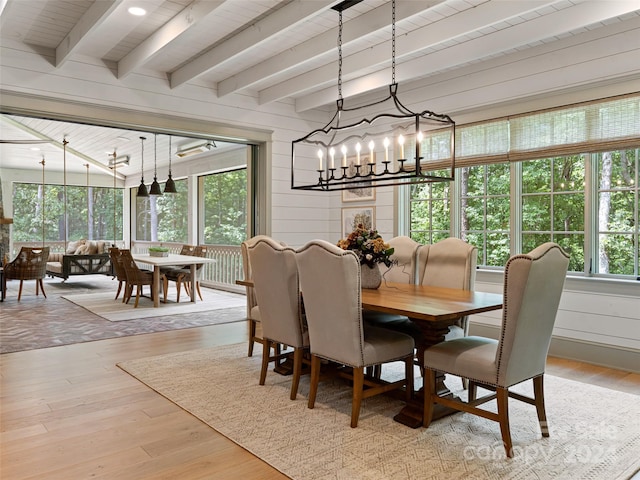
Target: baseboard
x=596 y=353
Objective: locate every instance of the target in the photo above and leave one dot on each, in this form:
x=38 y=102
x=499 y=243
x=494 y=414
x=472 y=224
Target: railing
x=222 y=274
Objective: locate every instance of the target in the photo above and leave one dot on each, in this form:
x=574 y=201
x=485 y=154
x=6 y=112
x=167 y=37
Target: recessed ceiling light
x=137 y=11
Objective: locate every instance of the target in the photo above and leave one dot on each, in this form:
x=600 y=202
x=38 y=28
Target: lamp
x=170 y=185
x=142 y=189
x=196 y=149
x=155 y=186
x=371 y=149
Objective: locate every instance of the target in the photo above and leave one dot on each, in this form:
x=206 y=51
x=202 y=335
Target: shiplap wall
x=594 y=64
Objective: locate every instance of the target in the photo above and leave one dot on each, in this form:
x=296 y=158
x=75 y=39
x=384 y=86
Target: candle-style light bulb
x=344 y=155
x=371 y=159
x=332 y=152
x=358 y=148
x=386 y=149
x=419 y=138
x=319 y=159
x=401 y=143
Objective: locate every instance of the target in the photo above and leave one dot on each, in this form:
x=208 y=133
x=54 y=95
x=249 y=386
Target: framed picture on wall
x=364 y=192
x=353 y=216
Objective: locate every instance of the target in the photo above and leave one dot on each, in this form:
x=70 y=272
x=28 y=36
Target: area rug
x=104 y=305
x=595 y=432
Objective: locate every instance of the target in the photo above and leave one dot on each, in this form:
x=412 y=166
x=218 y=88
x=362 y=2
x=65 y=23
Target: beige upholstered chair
x=253 y=312
x=29 y=264
x=449 y=263
x=275 y=280
x=532 y=289
x=330 y=284
x=404 y=255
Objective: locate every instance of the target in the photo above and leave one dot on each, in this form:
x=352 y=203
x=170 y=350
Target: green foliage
x=225 y=207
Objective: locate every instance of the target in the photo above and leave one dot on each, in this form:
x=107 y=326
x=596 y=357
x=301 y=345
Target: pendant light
x=155 y=186
x=170 y=185
x=142 y=189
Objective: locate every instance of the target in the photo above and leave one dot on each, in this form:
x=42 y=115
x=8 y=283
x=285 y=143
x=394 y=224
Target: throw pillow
x=92 y=248
x=73 y=246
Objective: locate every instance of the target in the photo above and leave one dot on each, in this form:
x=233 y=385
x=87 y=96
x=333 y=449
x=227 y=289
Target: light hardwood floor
x=70 y=413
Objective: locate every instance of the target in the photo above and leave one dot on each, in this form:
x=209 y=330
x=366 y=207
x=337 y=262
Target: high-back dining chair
x=275 y=281
x=182 y=275
x=253 y=311
x=403 y=270
x=135 y=277
x=331 y=288
x=118 y=269
x=532 y=289
x=29 y=264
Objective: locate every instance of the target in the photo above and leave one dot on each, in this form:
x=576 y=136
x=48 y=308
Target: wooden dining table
x=433 y=310
x=172 y=260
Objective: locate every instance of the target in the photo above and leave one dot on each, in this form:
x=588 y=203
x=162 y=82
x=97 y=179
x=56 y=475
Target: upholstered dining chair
x=330 y=284
x=135 y=277
x=29 y=264
x=403 y=270
x=532 y=289
x=182 y=275
x=118 y=269
x=253 y=311
x=275 y=281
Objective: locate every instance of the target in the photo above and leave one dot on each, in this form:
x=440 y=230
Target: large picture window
x=225 y=207
x=163 y=218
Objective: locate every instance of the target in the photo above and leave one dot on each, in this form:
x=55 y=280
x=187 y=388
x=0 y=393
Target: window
x=225 y=207
x=163 y=218
x=39 y=213
x=566 y=175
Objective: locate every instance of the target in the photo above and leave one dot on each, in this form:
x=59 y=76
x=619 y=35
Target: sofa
x=82 y=257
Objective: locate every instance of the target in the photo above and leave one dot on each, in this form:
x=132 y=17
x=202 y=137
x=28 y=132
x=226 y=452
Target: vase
x=370 y=276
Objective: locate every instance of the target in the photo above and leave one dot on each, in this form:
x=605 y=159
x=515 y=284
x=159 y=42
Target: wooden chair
x=275 y=280
x=182 y=275
x=532 y=289
x=135 y=277
x=118 y=269
x=29 y=264
x=330 y=282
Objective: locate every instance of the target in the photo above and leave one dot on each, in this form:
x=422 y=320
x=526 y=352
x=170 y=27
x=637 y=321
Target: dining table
x=171 y=260
x=433 y=310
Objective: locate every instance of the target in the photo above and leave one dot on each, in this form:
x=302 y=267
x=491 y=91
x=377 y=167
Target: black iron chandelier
x=352 y=152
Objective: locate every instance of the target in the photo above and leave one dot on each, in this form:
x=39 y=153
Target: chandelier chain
x=393 y=42
x=340 y=55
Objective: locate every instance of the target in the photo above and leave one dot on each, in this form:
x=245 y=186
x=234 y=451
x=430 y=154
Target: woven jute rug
x=595 y=432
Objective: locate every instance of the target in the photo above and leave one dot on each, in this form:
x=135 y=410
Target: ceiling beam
x=280 y=21
x=97 y=13
x=169 y=32
x=427 y=37
x=368 y=23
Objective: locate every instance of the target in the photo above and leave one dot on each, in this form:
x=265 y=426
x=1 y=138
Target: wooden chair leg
x=178 y=286
x=315 y=379
x=473 y=391
x=41 y=282
x=297 y=370
x=252 y=334
x=502 y=396
x=119 y=289
x=20 y=290
x=538 y=394
x=428 y=392
x=265 y=360
x=358 y=390
x=165 y=288
x=198 y=290
x=138 y=294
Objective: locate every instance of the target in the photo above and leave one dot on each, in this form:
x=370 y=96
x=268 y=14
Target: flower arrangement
x=368 y=245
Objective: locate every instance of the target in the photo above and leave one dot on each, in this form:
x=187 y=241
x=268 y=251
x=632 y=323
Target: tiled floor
x=39 y=322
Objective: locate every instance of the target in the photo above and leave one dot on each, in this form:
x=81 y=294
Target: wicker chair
x=118 y=269
x=183 y=275
x=135 y=277
x=30 y=264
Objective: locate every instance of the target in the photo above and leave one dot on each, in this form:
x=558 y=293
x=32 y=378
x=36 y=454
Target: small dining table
x=433 y=310
x=171 y=260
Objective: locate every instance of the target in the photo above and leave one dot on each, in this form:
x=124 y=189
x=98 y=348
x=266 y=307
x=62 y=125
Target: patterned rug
x=595 y=432
x=38 y=322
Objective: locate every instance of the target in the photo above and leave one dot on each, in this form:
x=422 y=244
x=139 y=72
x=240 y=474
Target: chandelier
x=378 y=144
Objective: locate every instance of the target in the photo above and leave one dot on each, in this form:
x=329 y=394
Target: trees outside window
x=430 y=211
x=163 y=218
x=225 y=207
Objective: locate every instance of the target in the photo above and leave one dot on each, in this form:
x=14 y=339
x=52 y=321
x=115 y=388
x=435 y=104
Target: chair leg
x=138 y=294
x=266 y=351
x=252 y=334
x=41 y=287
x=429 y=389
x=198 y=290
x=315 y=379
x=297 y=369
x=20 y=290
x=473 y=391
x=408 y=372
x=502 y=396
x=119 y=288
x=465 y=383
x=178 y=286
x=165 y=287
x=538 y=394
x=358 y=389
